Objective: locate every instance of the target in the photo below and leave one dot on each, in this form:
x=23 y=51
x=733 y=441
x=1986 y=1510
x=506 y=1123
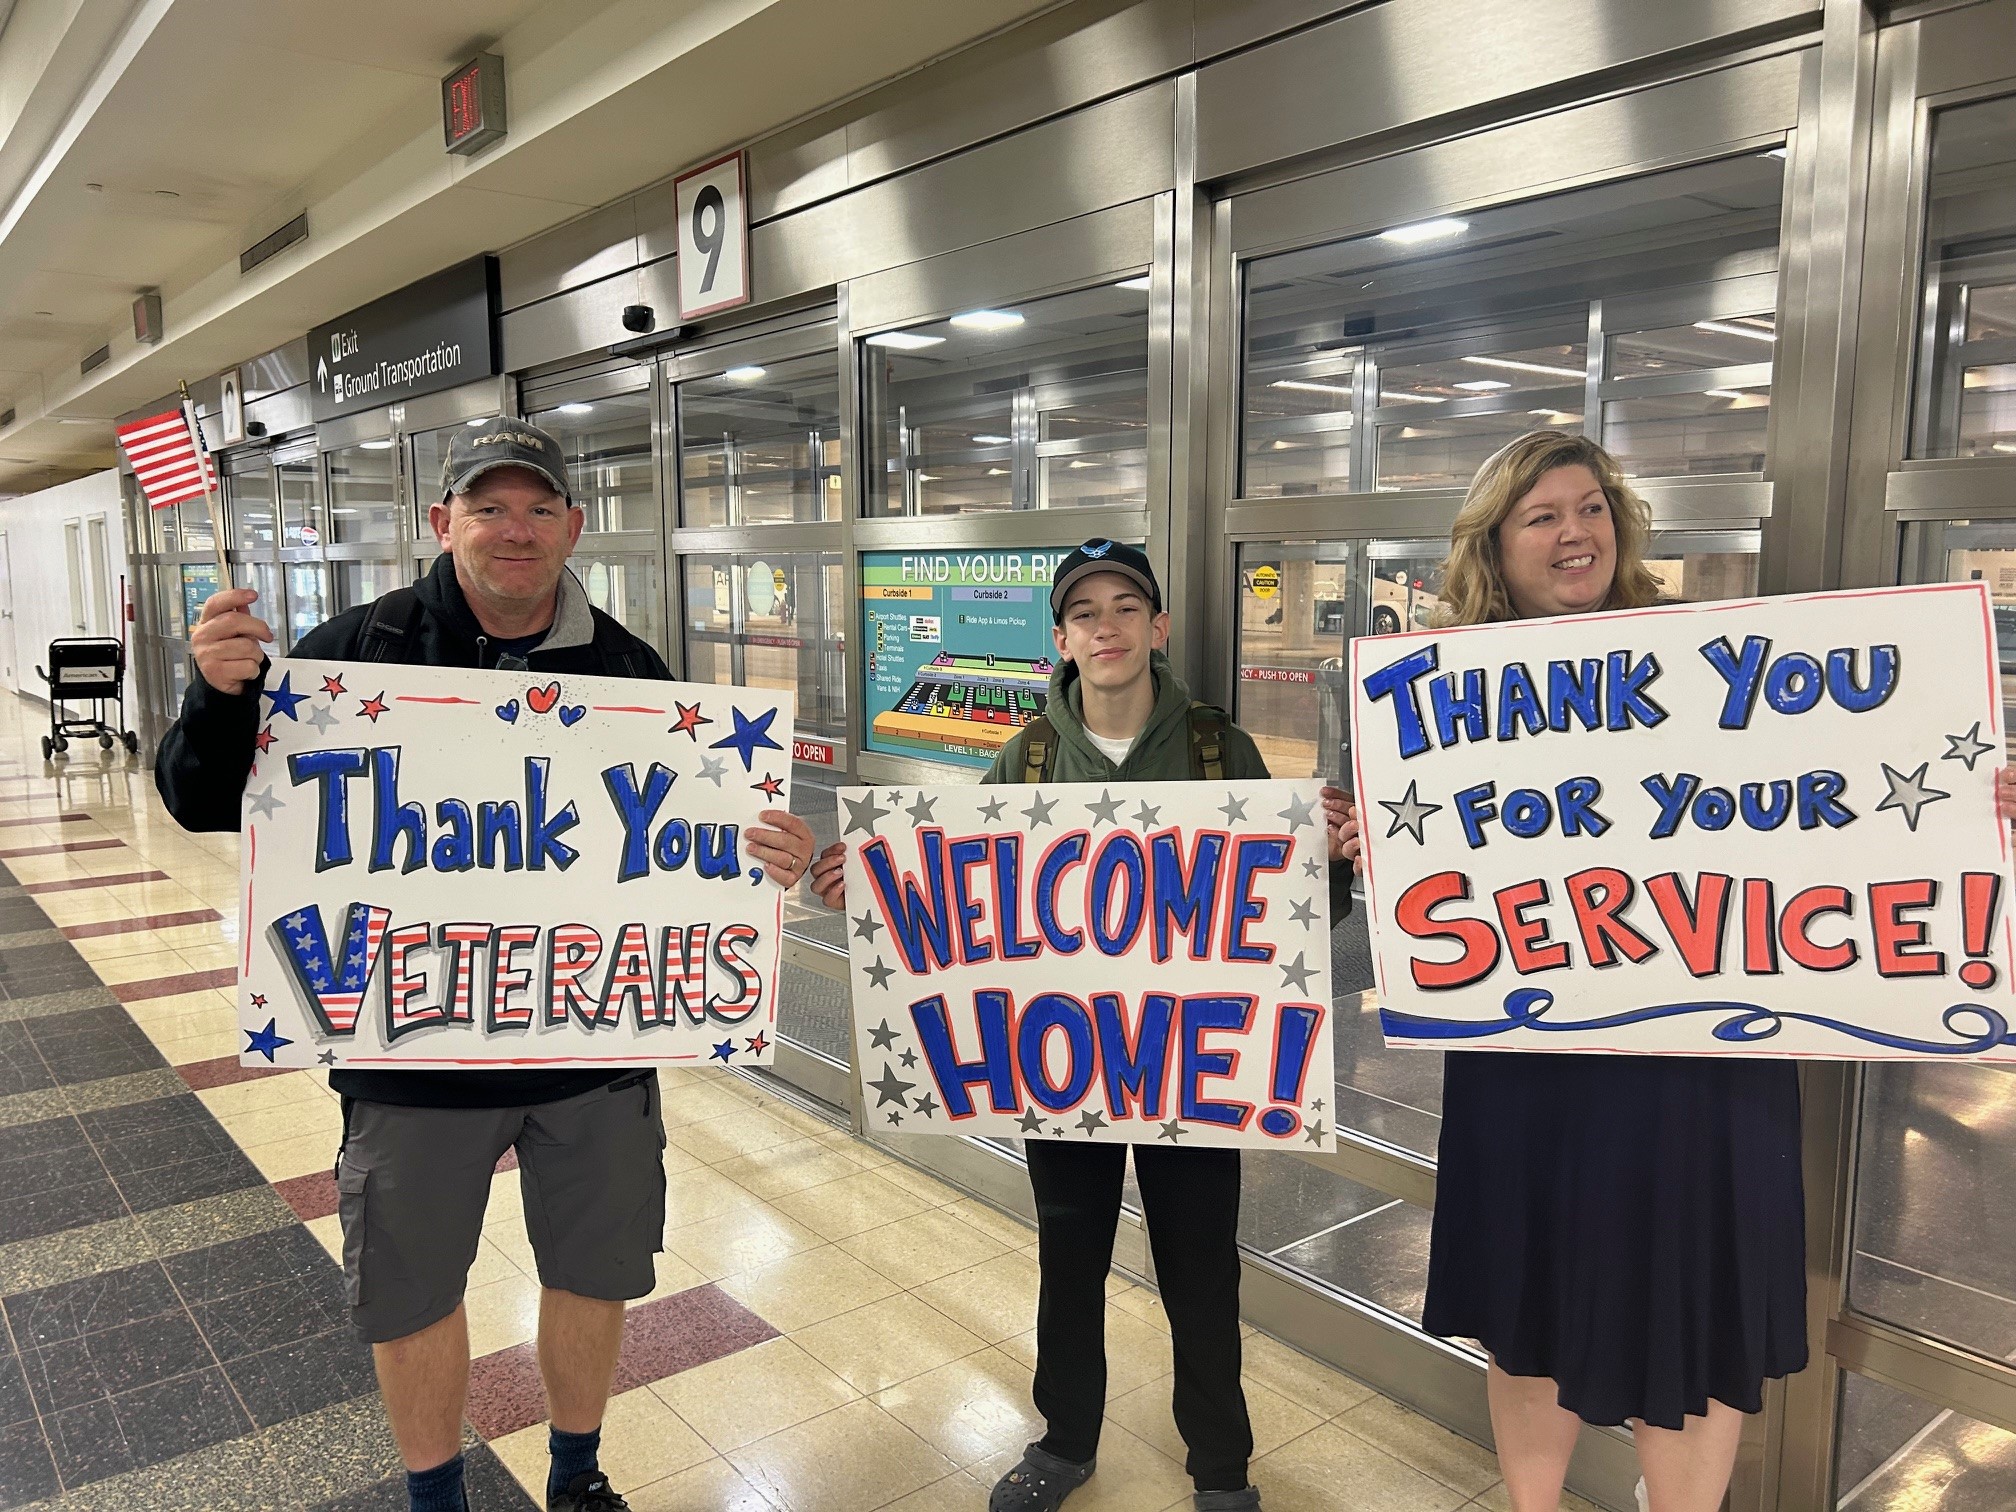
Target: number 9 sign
x=713 y=219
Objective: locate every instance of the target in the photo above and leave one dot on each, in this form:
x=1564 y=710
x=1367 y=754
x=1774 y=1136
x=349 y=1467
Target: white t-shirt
x=1115 y=751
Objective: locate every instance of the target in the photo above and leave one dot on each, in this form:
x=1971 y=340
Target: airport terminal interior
x=1254 y=284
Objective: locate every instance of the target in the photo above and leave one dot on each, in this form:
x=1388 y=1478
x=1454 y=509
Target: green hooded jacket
x=1161 y=753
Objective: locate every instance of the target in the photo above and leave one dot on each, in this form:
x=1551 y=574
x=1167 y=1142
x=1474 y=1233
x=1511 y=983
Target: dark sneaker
x=589 y=1491
x=1039 y=1484
x=1247 y=1500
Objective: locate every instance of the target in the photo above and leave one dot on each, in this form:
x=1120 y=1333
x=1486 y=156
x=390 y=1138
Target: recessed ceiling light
x=904 y=341
x=45 y=312
x=992 y=440
x=373 y=446
x=1722 y=394
x=2008 y=448
x=480 y=420
x=997 y=472
x=1725 y=328
x=1425 y=231
x=1141 y=283
x=66 y=420
x=574 y=409
x=1385 y=398
x=748 y=373
x=95 y=188
x=1482 y=385
x=988 y=320
x=1305 y=387
x=1515 y=365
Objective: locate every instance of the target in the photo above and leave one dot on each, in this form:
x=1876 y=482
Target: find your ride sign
x=1763 y=827
x=451 y=868
x=1141 y=963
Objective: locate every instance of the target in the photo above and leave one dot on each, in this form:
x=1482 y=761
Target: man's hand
x=2005 y=793
x=228 y=642
x=829 y=876
x=785 y=850
x=1340 y=817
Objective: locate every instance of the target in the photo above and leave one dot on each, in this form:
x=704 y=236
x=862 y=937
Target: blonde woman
x=1624 y=1234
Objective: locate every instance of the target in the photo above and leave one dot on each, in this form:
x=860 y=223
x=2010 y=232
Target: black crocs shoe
x=1039 y=1484
x=1247 y=1499
x=589 y=1491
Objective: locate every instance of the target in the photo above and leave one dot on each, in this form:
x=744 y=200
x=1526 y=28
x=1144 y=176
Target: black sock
x=573 y=1454
x=436 y=1490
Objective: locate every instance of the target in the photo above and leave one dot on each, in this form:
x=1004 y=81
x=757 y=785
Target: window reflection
x=1039 y=405
x=1965 y=404
x=1402 y=360
x=361 y=499
x=628 y=588
x=248 y=493
x=1899 y=1454
x=607 y=444
x=760 y=444
x=771 y=620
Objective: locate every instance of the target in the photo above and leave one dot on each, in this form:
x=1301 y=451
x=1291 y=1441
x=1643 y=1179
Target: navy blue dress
x=1632 y=1226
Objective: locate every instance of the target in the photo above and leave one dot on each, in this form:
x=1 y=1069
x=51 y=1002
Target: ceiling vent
x=97 y=359
x=279 y=241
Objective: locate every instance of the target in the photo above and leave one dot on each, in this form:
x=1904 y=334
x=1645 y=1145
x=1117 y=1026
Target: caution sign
x=1266 y=581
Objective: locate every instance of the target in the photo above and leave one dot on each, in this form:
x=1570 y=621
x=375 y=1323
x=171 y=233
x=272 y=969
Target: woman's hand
x=785 y=850
x=829 y=876
x=1340 y=817
x=2005 y=793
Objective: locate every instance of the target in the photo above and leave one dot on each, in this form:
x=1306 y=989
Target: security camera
x=639 y=318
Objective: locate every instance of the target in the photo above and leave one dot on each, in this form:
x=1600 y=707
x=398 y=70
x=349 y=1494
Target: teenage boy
x=1118 y=713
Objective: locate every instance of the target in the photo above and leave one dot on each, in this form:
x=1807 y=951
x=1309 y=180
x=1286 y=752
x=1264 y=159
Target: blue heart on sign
x=568 y=715
x=508 y=712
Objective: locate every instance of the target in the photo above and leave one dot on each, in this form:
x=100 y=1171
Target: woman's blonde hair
x=1473 y=578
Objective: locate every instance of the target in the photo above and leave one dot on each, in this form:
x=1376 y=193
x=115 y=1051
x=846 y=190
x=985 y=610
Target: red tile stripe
x=169 y=986
x=660 y=1339
x=74 y=884
x=223 y=1071
x=55 y=850
x=145 y=921
x=48 y=816
x=312 y=1196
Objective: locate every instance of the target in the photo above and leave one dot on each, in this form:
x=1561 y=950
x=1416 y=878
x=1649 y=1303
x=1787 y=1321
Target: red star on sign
x=371 y=708
x=690 y=720
x=769 y=787
x=332 y=685
x=264 y=740
x=758 y=1045
x=258 y=1000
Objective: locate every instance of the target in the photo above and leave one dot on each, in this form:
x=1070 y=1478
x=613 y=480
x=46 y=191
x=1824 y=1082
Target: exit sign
x=472 y=104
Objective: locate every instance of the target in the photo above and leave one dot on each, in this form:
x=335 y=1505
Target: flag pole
x=218 y=535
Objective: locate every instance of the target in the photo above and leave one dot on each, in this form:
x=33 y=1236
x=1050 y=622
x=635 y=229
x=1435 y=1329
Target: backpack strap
x=389 y=627
x=1207 y=742
x=1039 y=748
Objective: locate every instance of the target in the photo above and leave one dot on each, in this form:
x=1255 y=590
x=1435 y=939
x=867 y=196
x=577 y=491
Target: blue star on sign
x=285 y=698
x=750 y=736
x=266 y=1040
x=723 y=1050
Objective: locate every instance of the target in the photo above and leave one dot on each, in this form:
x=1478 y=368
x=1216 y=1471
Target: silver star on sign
x=1299 y=973
x=1312 y=868
x=1030 y=1122
x=1038 y=811
x=1173 y=1131
x=927 y=1105
x=320 y=717
x=880 y=973
x=1410 y=813
x=1145 y=816
x=881 y=1037
x=1303 y=912
x=1316 y=1132
x=714 y=768
x=1908 y=794
x=1091 y=1120
x=920 y=811
x=891 y=1087
x=263 y=802
x=1106 y=810
x=1969 y=748
x=1233 y=809
x=866 y=925
x=992 y=809
x=862 y=814
x=1300 y=811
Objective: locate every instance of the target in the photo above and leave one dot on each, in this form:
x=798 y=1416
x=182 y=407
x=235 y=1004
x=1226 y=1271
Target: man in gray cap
x=419 y=1147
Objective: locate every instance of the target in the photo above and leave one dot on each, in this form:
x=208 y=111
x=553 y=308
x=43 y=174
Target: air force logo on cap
x=1096 y=549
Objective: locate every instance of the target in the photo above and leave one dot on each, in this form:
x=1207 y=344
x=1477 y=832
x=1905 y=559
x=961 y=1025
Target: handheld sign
x=1763 y=827
x=1142 y=963
x=448 y=868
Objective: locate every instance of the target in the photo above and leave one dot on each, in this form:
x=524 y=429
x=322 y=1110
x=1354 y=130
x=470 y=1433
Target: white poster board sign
x=444 y=867
x=1139 y=963
x=1763 y=827
x=713 y=218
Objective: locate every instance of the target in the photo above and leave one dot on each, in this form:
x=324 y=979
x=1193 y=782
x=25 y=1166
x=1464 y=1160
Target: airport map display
x=958 y=653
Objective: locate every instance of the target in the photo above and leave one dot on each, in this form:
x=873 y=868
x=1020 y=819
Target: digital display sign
x=957 y=652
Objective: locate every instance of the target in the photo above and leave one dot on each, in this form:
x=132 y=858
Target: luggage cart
x=86 y=670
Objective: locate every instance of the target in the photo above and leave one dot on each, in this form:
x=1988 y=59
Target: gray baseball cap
x=502 y=442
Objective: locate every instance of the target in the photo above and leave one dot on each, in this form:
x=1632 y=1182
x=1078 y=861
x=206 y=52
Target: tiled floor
x=832 y=1331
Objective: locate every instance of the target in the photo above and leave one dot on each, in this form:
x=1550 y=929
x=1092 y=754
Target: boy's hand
x=1340 y=817
x=2005 y=793
x=829 y=876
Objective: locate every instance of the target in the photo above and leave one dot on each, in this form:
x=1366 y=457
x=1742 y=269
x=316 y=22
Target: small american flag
x=168 y=462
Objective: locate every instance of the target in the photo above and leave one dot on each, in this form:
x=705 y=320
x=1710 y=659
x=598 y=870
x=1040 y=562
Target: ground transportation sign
x=451 y=868
x=1763 y=827
x=1141 y=963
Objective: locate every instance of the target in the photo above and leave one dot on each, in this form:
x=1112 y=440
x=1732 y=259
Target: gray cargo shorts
x=412 y=1184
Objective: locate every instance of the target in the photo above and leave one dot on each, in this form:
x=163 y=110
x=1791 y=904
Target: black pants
x=1191 y=1202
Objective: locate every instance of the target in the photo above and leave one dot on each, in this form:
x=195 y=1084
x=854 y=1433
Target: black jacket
x=205 y=757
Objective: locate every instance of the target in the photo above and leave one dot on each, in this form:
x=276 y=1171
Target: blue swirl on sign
x=1744 y=1024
